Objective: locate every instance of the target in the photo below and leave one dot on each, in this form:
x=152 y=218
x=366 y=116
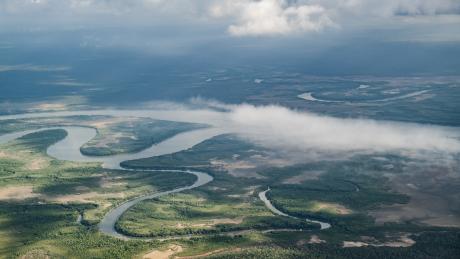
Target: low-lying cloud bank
x=297 y=133
x=284 y=129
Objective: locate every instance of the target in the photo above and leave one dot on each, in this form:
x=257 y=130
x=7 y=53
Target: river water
x=69 y=149
x=269 y=205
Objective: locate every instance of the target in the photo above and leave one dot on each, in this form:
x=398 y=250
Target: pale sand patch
x=231 y=165
x=8 y=155
x=249 y=193
x=218 y=251
x=314 y=239
x=37 y=164
x=269 y=160
x=36 y=254
x=212 y=222
x=247 y=168
x=50 y=106
x=156 y=254
x=107 y=140
x=237 y=168
x=85 y=197
x=109 y=182
x=305 y=176
x=17 y=193
x=251 y=189
x=26 y=192
x=100 y=124
x=105 y=205
x=238 y=220
x=31 y=165
x=402 y=241
x=347 y=244
x=330 y=207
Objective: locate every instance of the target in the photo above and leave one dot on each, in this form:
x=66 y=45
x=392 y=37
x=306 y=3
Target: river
x=69 y=149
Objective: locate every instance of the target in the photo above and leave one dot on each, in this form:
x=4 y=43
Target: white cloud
x=271 y=17
x=396 y=7
x=81 y=9
x=280 y=128
x=239 y=17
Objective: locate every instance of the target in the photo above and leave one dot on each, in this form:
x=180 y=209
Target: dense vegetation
x=51 y=229
x=134 y=135
x=221 y=147
x=342 y=192
x=195 y=213
x=429 y=245
x=224 y=217
x=44 y=223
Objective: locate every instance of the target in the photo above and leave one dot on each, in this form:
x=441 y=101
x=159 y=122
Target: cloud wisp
x=284 y=129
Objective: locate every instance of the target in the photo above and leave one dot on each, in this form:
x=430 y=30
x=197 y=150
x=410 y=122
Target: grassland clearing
x=163 y=254
x=17 y=193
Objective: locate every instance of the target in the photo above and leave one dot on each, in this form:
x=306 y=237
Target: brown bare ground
x=17 y=193
x=243 y=169
x=31 y=165
x=8 y=155
x=402 y=241
x=347 y=244
x=218 y=251
x=100 y=124
x=249 y=193
x=108 y=139
x=157 y=254
x=109 y=182
x=37 y=164
x=305 y=176
x=314 y=239
x=331 y=207
x=85 y=197
x=212 y=223
x=36 y=254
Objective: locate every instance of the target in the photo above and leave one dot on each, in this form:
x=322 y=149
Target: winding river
x=269 y=205
x=69 y=149
x=309 y=97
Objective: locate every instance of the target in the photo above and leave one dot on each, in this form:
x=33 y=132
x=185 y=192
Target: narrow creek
x=269 y=205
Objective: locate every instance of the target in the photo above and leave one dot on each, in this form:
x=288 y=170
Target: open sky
x=324 y=36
